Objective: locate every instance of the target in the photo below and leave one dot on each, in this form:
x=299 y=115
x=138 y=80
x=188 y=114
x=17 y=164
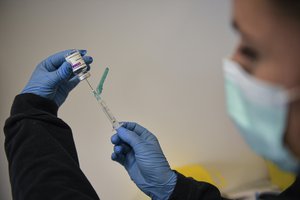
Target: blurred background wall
x=165 y=60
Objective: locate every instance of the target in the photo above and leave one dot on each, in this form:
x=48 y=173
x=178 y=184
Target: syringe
x=106 y=110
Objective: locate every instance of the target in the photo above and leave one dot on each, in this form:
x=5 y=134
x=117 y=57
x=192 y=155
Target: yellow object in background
x=230 y=180
x=201 y=173
x=278 y=177
x=197 y=172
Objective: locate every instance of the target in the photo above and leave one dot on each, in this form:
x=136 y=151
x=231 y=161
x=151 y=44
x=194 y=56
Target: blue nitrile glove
x=53 y=78
x=139 y=152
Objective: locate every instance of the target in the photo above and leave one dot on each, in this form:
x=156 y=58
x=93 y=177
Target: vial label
x=76 y=61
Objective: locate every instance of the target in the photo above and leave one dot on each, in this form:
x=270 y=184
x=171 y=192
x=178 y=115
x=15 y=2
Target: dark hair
x=290 y=8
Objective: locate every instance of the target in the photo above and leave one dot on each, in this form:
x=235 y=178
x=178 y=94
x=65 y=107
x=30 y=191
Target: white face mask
x=259 y=110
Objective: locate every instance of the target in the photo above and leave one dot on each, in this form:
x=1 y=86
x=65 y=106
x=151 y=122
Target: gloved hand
x=139 y=152
x=53 y=78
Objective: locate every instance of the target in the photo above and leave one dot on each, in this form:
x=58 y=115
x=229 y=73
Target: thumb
x=128 y=136
x=64 y=72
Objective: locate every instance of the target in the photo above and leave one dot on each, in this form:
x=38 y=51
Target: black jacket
x=43 y=162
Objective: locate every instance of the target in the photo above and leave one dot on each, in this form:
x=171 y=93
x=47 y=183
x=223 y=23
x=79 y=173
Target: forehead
x=254 y=18
x=257 y=20
x=274 y=35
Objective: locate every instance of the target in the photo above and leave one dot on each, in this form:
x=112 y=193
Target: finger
x=82 y=52
x=56 y=60
x=132 y=126
x=125 y=124
x=88 y=67
x=118 y=158
x=115 y=139
x=118 y=149
x=122 y=149
x=128 y=136
x=73 y=82
x=64 y=72
x=87 y=59
x=125 y=148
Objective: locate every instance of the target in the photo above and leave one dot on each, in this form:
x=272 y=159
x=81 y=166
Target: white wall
x=165 y=60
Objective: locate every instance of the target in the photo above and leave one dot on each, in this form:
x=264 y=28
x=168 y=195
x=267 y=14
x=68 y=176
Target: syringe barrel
x=109 y=114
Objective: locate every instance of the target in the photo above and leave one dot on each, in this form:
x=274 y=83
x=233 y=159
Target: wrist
x=32 y=90
x=47 y=95
x=171 y=185
x=164 y=191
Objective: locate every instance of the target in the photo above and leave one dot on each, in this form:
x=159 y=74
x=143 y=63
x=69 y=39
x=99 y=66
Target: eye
x=248 y=52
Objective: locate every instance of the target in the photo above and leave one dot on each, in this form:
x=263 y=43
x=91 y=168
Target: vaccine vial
x=78 y=65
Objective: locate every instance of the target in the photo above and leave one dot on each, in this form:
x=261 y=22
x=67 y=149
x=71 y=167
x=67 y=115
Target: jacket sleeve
x=190 y=189
x=41 y=153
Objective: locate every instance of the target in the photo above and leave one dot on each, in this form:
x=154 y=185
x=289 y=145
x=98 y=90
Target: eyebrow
x=245 y=35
